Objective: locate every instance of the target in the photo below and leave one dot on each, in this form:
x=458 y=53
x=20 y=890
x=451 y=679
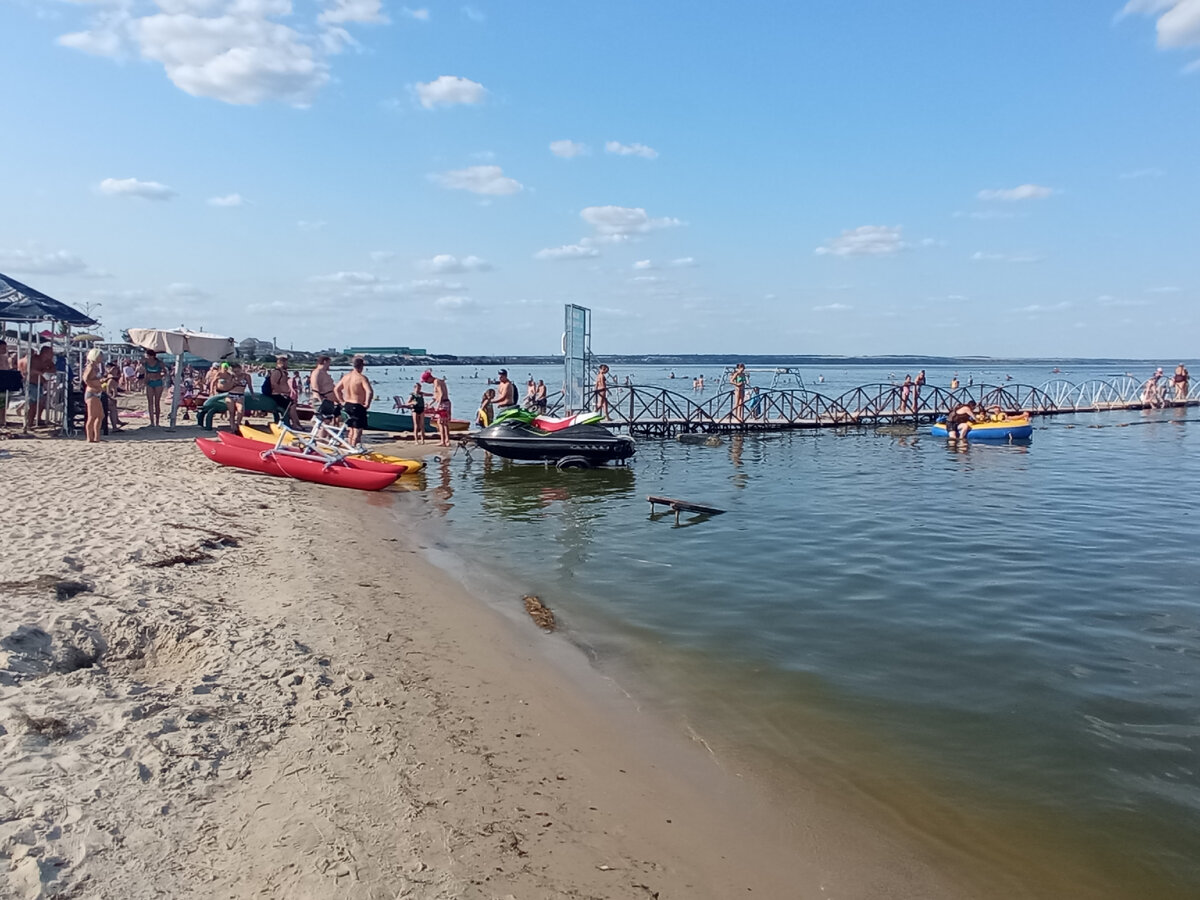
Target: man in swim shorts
x=41 y=365
x=355 y=393
x=10 y=379
x=279 y=380
x=320 y=386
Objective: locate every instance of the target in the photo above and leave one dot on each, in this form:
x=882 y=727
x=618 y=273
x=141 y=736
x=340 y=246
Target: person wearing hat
x=506 y=393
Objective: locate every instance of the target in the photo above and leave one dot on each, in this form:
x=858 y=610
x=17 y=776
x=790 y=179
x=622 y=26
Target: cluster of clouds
x=154 y=190
x=1177 y=24
x=568 y=149
x=237 y=51
x=54 y=262
x=610 y=225
x=888 y=240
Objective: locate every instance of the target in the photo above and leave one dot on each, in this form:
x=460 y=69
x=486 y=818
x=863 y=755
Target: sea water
x=999 y=645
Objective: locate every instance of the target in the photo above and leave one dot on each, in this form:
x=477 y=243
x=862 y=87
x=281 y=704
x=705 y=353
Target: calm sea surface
x=999 y=644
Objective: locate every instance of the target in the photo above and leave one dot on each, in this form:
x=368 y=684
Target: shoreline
x=303 y=712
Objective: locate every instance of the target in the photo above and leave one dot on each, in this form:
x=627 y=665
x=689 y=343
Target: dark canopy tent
x=21 y=303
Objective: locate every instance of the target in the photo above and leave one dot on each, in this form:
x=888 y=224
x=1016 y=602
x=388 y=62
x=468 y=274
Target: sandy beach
x=216 y=684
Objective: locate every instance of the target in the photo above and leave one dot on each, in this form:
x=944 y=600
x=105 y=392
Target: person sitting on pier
x=958 y=423
x=1152 y=390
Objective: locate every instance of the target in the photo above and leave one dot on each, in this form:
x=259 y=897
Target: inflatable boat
x=1013 y=428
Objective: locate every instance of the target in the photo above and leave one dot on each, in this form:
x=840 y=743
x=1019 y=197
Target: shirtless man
x=958 y=423
x=355 y=393
x=41 y=365
x=9 y=379
x=280 y=382
x=320 y=385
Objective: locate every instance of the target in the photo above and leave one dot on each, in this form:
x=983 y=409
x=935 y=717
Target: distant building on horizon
x=385 y=351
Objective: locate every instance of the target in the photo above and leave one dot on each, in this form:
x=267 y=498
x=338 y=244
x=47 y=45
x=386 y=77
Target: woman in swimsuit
x=93 y=389
x=601 y=388
x=156 y=380
x=235 y=402
x=738 y=379
x=416 y=403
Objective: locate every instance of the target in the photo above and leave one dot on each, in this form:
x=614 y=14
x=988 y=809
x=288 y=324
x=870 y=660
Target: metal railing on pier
x=656 y=411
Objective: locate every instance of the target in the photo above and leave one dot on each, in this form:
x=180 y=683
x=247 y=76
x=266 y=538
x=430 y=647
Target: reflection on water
x=1015 y=625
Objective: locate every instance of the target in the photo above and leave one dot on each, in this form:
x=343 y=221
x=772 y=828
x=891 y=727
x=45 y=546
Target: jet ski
x=574 y=442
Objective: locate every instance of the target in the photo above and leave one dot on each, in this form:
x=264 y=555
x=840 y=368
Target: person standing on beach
x=10 y=379
x=355 y=393
x=441 y=409
x=156 y=382
x=416 y=405
x=112 y=388
x=320 y=388
x=739 y=380
x=279 y=387
x=41 y=365
x=93 y=391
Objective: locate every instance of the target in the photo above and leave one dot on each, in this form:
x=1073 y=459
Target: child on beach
x=483 y=418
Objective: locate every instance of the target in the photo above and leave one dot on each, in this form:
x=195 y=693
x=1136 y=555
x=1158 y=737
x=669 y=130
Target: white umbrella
x=180 y=341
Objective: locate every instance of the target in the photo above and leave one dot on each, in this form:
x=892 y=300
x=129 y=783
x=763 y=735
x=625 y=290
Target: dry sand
x=311 y=710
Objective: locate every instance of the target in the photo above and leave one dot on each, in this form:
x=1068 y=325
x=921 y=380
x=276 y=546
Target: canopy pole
x=176 y=381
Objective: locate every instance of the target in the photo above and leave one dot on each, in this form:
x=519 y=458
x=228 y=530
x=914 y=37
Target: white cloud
x=684 y=262
x=832 y=307
x=362 y=11
x=489 y=180
x=421 y=15
x=620 y=222
x=382 y=255
x=568 y=149
x=131 y=187
x=230 y=50
x=1179 y=24
x=446 y=264
x=227 y=200
x=644 y=265
x=449 y=90
x=647 y=279
x=866 y=240
x=569 y=251
x=1041 y=308
x=1142 y=173
x=1166 y=289
x=1119 y=303
x=475 y=15
x=1021 y=192
x=354 y=278
x=240 y=59
x=981 y=256
x=57 y=262
x=453 y=301
x=630 y=150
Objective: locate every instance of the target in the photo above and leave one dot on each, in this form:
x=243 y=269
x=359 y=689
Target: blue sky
x=998 y=178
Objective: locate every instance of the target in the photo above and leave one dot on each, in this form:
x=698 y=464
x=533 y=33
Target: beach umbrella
x=180 y=341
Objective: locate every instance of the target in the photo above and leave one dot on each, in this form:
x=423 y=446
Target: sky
x=999 y=177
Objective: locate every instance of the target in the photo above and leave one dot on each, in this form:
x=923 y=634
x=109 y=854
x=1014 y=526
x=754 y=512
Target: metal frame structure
x=662 y=412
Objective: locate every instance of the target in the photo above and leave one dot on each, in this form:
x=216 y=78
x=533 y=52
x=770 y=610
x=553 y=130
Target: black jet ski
x=579 y=441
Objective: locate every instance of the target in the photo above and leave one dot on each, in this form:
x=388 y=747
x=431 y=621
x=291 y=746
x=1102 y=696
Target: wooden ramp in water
x=678 y=506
